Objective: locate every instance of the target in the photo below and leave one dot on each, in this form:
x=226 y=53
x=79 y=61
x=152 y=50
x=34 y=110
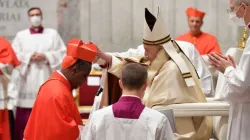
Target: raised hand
x=220 y=62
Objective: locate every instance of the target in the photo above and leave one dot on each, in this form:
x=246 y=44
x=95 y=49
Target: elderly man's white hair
x=237 y=2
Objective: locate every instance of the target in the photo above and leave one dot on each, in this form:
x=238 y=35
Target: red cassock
x=55 y=115
x=7 y=56
x=205 y=43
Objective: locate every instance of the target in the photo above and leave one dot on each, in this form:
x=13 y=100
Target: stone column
x=69 y=19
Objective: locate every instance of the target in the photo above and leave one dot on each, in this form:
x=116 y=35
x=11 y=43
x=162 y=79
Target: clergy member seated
x=129 y=119
x=205 y=43
x=193 y=55
x=55 y=115
x=202 y=70
x=171 y=78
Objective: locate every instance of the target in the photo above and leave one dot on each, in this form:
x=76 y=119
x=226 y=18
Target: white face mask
x=36 y=21
x=236 y=20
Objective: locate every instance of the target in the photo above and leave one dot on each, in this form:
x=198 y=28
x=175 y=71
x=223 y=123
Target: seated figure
x=172 y=78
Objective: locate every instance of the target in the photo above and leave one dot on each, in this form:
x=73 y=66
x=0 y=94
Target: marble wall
x=116 y=25
x=13 y=15
x=69 y=25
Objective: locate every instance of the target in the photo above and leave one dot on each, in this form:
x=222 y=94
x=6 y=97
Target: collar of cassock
x=59 y=76
x=248 y=25
x=39 y=31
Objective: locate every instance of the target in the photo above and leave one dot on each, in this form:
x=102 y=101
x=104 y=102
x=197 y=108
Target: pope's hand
x=104 y=56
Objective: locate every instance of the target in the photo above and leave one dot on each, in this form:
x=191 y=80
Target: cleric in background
x=40 y=51
x=55 y=115
x=205 y=43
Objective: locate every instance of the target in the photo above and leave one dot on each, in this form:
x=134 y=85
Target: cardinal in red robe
x=55 y=115
x=205 y=43
x=8 y=61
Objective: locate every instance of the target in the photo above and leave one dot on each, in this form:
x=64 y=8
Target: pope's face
x=151 y=51
x=195 y=24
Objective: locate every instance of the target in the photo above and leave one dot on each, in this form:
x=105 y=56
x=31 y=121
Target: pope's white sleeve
x=205 y=76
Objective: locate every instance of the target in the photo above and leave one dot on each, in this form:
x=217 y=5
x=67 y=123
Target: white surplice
x=221 y=91
x=151 y=125
x=33 y=74
x=237 y=86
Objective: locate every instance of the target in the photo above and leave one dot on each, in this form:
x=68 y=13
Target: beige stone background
x=116 y=25
x=13 y=15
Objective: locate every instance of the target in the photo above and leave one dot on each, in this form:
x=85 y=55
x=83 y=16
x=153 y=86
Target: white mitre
x=155 y=33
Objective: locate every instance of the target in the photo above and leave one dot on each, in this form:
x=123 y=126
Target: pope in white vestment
x=171 y=78
x=33 y=74
x=200 y=66
x=193 y=55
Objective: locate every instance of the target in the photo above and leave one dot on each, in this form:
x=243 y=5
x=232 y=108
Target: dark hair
x=83 y=65
x=134 y=76
x=34 y=8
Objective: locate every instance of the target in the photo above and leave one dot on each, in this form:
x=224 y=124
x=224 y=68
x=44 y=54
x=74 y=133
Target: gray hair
x=238 y=2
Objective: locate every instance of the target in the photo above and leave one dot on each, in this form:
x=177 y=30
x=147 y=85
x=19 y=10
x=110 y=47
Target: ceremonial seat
x=218 y=110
